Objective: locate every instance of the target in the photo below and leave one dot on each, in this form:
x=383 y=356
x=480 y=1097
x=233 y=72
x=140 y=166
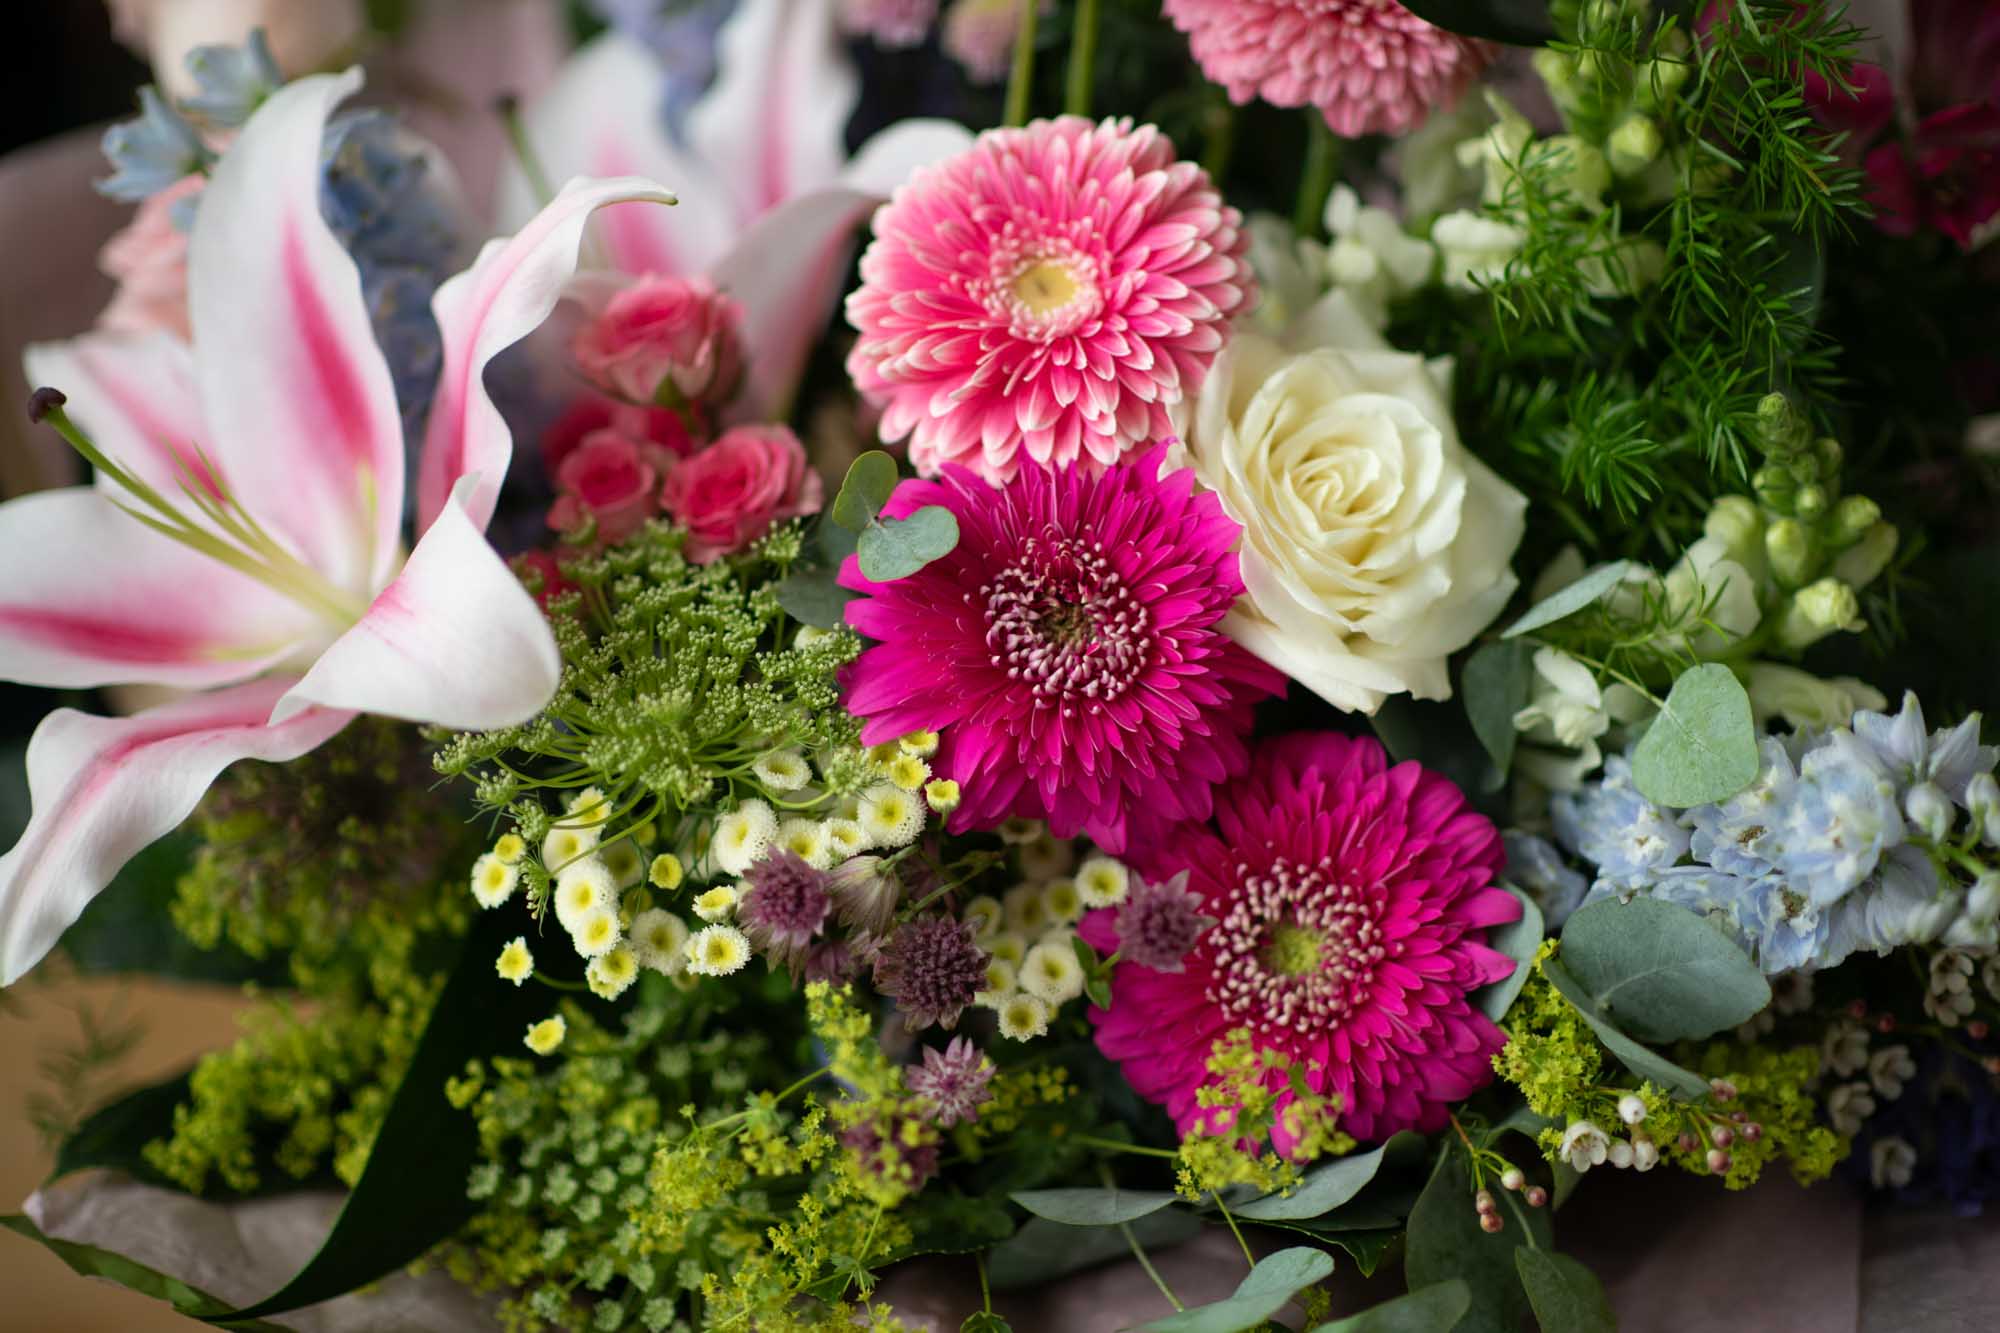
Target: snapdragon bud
x=1781 y=429
x=1774 y=486
x=1559 y=74
x=1660 y=81
x=1633 y=145
x=1735 y=522
x=1793 y=552
x=1860 y=564
x=1582 y=175
x=1930 y=810
x=1809 y=501
x=1817 y=610
x=1849 y=520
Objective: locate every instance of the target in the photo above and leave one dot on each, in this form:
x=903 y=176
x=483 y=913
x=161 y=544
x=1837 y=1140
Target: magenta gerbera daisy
x=1369 y=66
x=1068 y=651
x=1352 y=902
x=1051 y=291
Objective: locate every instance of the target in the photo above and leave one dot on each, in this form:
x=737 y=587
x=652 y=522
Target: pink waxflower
x=1369 y=66
x=892 y=24
x=660 y=339
x=1352 y=903
x=1051 y=292
x=1068 y=650
x=612 y=481
x=729 y=494
x=148 y=259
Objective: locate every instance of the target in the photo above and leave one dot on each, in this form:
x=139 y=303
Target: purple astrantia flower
x=931 y=968
x=785 y=907
x=1159 y=923
x=954 y=1081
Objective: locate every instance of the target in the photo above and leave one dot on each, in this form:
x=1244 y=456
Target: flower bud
x=1722 y=1136
x=1982 y=795
x=1722 y=1090
x=1619 y=1154
x=1930 y=810
x=1983 y=903
x=1858 y=565
x=663 y=340
x=1718 y=1160
x=1660 y=82
x=1817 y=610
x=1774 y=487
x=1734 y=521
x=1977 y=1029
x=865 y=897
x=1512 y=1178
x=1828 y=456
x=1490 y=1223
x=1582 y=173
x=1848 y=520
x=1752 y=1132
x=1631 y=1108
x=1484 y=1202
x=1536 y=1196
x=942 y=795
x=1793 y=553
x=1633 y=145
x=1781 y=430
x=1558 y=73
x=1809 y=502
x=1645 y=1153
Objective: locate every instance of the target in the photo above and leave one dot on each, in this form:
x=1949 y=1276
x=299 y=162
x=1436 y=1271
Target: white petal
x=133 y=395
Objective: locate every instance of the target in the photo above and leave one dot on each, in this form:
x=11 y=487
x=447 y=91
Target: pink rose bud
x=729 y=494
x=611 y=479
x=593 y=412
x=670 y=341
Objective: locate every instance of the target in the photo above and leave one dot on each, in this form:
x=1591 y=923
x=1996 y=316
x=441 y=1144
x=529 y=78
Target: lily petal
x=299 y=406
x=777 y=112
x=94 y=597
x=888 y=159
x=135 y=396
x=104 y=787
x=455 y=639
x=598 y=119
x=509 y=290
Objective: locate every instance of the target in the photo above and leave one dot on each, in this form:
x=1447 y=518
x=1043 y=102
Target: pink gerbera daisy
x=1053 y=290
x=1369 y=66
x=1352 y=901
x=1068 y=651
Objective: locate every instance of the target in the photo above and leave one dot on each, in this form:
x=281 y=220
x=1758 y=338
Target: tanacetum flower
x=493 y=880
x=1369 y=66
x=1067 y=650
x=1052 y=291
x=932 y=970
x=545 y=1036
x=1352 y=901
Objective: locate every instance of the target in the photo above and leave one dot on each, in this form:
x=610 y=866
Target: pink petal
x=104 y=787
x=299 y=407
x=134 y=396
x=454 y=640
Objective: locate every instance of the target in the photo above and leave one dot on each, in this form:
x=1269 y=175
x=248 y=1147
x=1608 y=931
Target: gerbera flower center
x=1296 y=949
x=1044 y=286
x=1061 y=620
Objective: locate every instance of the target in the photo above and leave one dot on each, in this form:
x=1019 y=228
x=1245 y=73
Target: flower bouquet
x=990 y=639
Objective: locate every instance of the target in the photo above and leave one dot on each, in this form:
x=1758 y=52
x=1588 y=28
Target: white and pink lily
x=773 y=199
x=242 y=538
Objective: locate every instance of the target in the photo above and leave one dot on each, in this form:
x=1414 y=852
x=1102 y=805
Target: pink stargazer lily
x=774 y=200
x=267 y=463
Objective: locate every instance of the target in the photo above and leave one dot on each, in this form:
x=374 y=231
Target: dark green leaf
x=1565 y=1294
x=1703 y=745
x=896 y=548
x=1497 y=682
x=1099 y=991
x=1516 y=22
x=1661 y=972
x=1328 y=1186
x=1094 y=1207
x=812 y=597
x=129 y=927
x=1567 y=1178
x=1518 y=940
x=90 y=1261
x=1425 y=1310
x=1446 y=1241
x=1573 y=598
x=1042 y=1251
x=871 y=479
x=946 y=1222
x=985 y=1321
x=1267 y=1289
x=1366 y=1248
x=1645 y=1063
x=116 y=1135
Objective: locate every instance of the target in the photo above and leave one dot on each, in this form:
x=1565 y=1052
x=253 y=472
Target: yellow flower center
x=1293 y=950
x=1045 y=286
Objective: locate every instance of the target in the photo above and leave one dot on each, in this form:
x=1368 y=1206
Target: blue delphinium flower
x=151 y=151
x=1536 y=868
x=234 y=80
x=1608 y=823
x=1739 y=835
x=1949 y=758
x=1841 y=816
x=682 y=35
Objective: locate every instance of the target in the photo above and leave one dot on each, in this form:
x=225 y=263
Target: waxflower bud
x=1722 y=1089
x=1512 y=1178
x=1620 y=1154
x=1930 y=810
x=1858 y=565
x=1722 y=1136
x=1490 y=1223
x=1645 y=1154
x=1536 y=1196
x=1793 y=553
x=1718 y=1160
x=1631 y=1108
x=1484 y=1202
x=1848 y=520
x=1633 y=146
x=1817 y=610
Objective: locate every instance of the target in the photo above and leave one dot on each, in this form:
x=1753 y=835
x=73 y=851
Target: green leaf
x=1564 y=1293
x=1566 y=1178
x=1425 y=1310
x=985 y=1321
x=90 y=1261
x=1446 y=1242
x=947 y=1222
x=1267 y=1289
x=812 y=597
x=1042 y=1251
x=1572 y=598
x=1327 y=1187
x=1703 y=745
x=1099 y=991
x=835 y=542
x=1497 y=682
x=1518 y=940
x=1366 y=1248
x=870 y=480
x=1094 y=1207
x=116 y=1135
x=895 y=548
x=1516 y=22
x=1661 y=972
x=1640 y=1060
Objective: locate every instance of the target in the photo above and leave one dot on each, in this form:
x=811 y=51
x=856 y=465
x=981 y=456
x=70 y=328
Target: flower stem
x=1316 y=181
x=1023 y=73
x=1113 y=1145
x=1234 y=1230
x=1139 y=1253
x=524 y=151
x=1082 y=58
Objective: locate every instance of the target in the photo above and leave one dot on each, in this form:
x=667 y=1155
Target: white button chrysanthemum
x=1050 y=972
x=1023 y=1016
x=583 y=887
x=717 y=903
x=625 y=862
x=566 y=842
x=494 y=880
x=891 y=816
x=1025 y=910
x=1062 y=900
x=1103 y=882
x=717 y=951
x=782 y=770
x=1001 y=982
x=658 y=938
x=807 y=840
x=742 y=835
x=610 y=973
x=545 y=1036
x=596 y=933
x=516 y=963
x=847 y=838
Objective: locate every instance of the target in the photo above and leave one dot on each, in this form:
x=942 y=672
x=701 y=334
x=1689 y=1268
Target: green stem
x=557 y=983
x=1139 y=1253
x=1316 y=181
x=1023 y=73
x=524 y=151
x=1113 y=1145
x=1082 y=59
x=1235 y=1230
x=1221 y=144
x=985 y=1288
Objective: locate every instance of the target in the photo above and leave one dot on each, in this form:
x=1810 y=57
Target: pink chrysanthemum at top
x=1047 y=295
x=1068 y=651
x=1352 y=901
x=1369 y=66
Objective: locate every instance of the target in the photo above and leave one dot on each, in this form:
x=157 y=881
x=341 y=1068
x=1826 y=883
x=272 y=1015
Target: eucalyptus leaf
x=1518 y=940
x=1365 y=1248
x=1572 y=598
x=1328 y=1186
x=895 y=548
x=1267 y=1289
x=1661 y=972
x=1703 y=745
x=1425 y=1310
x=1564 y=1293
x=1094 y=1207
x=812 y=597
x=1497 y=682
x=1042 y=1251
x=835 y=542
x=1515 y=22
x=870 y=481
x=1446 y=1241
x=1644 y=1062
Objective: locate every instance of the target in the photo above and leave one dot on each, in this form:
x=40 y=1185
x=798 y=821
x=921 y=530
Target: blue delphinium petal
x=151 y=151
x=1949 y=757
x=1843 y=816
x=1611 y=825
x=681 y=34
x=234 y=80
x=1536 y=868
x=1739 y=835
x=1904 y=904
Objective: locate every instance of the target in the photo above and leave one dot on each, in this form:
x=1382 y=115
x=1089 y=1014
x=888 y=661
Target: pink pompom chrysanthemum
x=1068 y=651
x=1047 y=294
x=1369 y=66
x=1352 y=901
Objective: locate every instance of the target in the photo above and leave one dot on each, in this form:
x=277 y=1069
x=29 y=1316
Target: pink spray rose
x=592 y=412
x=730 y=493
x=663 y=339
x=148 y=258
x=613 y=479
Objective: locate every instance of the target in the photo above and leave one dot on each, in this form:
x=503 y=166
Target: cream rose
x=1374 y=544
